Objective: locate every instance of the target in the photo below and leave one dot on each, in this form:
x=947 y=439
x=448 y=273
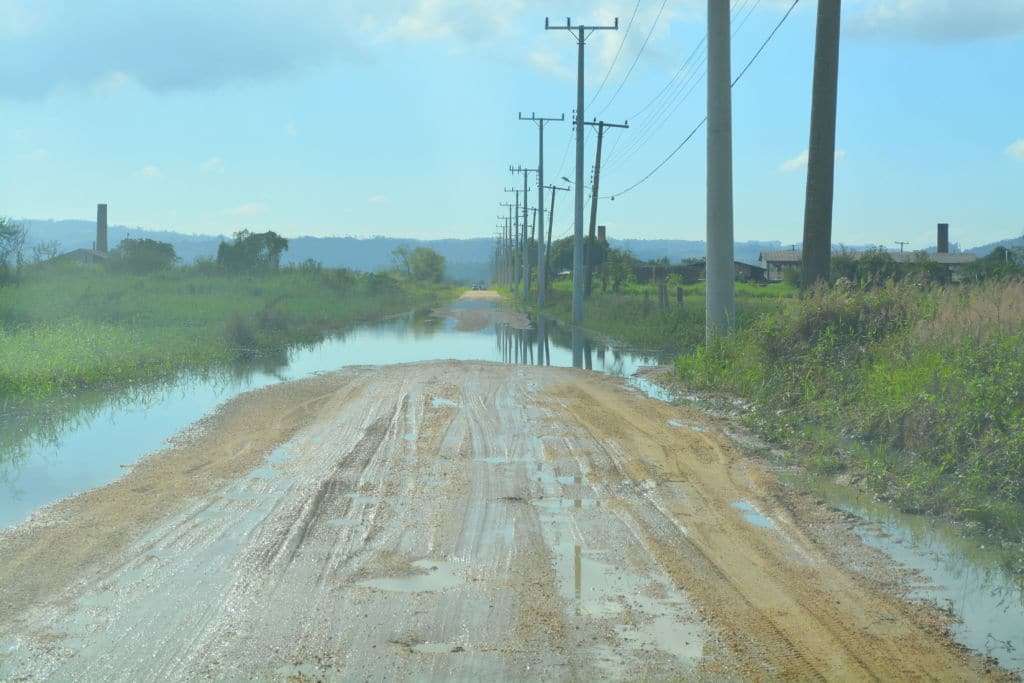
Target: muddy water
x=88 y=440
x=974 y=580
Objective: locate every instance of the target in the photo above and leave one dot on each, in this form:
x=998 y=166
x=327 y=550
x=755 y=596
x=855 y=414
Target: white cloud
x=1016 y=149
x=150 y=171
x=939 y=20
x=212 y=166
x=38 y=154
x=551 y=64
x=248 y=210
x=469 y=21
x=291 y=130
x=799 y=162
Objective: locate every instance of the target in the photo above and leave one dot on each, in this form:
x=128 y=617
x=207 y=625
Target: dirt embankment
x=465 y=520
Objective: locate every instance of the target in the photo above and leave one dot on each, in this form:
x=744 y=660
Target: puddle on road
x=86 y=440
x=647 y=612
x=751 y=515
x=430 y=576
x=982 y=585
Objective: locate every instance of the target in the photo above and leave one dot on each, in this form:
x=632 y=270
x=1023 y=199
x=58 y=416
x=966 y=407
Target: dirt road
x=454 y=520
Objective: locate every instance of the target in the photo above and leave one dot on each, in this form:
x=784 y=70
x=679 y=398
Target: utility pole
x=721 y=307
x=821 y=151
x=581 y=33
x=526 y=222
x=541 y=274
x=601 y=125
x=902 y=244
x=551 y=220
x=510 y=255
x=515 y=242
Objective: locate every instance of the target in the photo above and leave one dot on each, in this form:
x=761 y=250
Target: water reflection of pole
x=588 y=355
x=541 y=336
x=577 y=346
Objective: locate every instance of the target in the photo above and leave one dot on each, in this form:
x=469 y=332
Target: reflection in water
x=73 y=443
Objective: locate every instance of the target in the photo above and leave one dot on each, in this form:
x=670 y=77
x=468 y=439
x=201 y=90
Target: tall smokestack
x=942 y=245
x=101 y=228
x=601 y=233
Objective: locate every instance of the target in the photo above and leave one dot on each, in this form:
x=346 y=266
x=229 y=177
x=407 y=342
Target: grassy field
x=72 y=327
x=633 y=316
x=917 y=393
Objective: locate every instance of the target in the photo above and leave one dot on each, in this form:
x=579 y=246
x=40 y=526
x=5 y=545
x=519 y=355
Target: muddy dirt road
x=453 y=520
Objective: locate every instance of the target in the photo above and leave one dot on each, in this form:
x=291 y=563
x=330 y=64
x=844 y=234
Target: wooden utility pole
x=551 y=221
x=510 y=253
x=721 y=285
x=581 y=33
x=541 y=274
x=821 y=151
x=589 y=253
x=526 y=222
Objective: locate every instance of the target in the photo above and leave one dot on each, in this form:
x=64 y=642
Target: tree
x=44 y=251
x=250 y=251
x=426 y=265
x=400 y=255
x=12 y=246
x=142 y=256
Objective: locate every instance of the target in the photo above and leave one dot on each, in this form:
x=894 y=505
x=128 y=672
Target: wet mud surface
x=462 y=520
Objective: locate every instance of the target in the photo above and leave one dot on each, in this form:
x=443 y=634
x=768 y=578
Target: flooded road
x=455 y=519
x=87 y=440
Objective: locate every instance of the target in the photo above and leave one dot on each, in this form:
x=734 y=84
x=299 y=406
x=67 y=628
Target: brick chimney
x=601 y=233
x=101 y=228
x=942 y=245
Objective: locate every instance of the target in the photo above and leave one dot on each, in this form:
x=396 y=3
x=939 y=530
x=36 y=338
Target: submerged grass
x=71 y=327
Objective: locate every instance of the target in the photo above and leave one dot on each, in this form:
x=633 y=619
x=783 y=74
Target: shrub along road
x=454 y=519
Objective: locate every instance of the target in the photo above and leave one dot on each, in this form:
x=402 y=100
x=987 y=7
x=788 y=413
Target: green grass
x=918 y=393
x=626 y=316
x=70 y=327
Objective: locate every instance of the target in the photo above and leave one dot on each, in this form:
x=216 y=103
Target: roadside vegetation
x=67 y=326
x=916 y=392
x=907 y=384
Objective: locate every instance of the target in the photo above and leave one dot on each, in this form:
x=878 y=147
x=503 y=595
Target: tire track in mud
x=466 y=520
x=766 y=606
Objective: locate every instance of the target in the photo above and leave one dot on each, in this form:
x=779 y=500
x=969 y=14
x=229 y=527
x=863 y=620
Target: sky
x=399 y=117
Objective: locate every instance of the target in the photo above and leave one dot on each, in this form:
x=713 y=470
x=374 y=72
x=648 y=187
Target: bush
x=142 y=256
x=252 y=251
x=239 y=335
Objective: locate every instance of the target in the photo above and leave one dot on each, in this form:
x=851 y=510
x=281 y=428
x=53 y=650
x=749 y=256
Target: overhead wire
x=700 y=125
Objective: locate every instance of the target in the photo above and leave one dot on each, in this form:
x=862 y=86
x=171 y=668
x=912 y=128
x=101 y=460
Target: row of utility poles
x=512 y=259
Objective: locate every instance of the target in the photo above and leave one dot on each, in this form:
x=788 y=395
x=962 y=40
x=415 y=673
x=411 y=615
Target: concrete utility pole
x=541 y=275
x=721 y=307
x=511 y=251
x=581 y=33
x=821 y=151
x=601 y=125
x=526 y=222
x=515 y=244
x=551 y=220
x=902 y=244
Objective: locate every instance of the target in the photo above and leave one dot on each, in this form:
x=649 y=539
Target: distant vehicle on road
x=478 y=287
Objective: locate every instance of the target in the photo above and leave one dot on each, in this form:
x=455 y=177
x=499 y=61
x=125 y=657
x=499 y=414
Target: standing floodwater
x=76 y=443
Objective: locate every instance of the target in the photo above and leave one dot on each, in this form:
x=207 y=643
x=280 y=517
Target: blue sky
x=398 y=117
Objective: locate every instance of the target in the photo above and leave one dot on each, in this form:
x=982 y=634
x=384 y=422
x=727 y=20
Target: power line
x=668 y=107
x=704 y=120
x=615 y=60
x=625 y=78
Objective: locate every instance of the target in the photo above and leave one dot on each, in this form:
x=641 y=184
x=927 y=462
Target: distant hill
x=467 y=259
x=986 y=249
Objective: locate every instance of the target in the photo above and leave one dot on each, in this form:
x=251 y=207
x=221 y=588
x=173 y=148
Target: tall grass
x=633 y=315
x=920 y=392
x=70 y=327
